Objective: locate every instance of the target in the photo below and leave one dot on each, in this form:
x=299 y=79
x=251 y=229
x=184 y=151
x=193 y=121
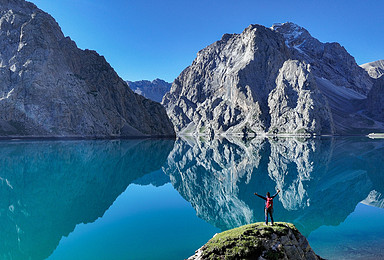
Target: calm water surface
x=163 y=199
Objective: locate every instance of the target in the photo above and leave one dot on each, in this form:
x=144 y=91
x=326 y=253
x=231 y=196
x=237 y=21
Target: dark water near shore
x=163 y=199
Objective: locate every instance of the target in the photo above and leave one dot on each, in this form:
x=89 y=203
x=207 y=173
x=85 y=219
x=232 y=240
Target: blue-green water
x=163 y=199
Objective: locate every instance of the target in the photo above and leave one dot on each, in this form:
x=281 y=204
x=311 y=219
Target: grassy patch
x=245 y=242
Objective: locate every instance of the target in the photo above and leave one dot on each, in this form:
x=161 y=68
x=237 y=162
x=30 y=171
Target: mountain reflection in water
x=321 y=180
x=49 y=187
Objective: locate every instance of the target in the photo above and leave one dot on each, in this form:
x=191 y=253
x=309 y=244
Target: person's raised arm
x=276 y=194
x=264 y=198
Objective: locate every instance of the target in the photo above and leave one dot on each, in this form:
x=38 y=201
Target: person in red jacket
x=268 y=205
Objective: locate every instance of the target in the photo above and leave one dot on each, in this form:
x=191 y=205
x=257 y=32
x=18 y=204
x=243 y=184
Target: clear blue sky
x=144 y=39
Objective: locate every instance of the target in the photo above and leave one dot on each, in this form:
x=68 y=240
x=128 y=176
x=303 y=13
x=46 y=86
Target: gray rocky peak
x=375 y=101
x=328 y=60
x=153 y=90
x=225 y=90
x=375 y=69
x=277 y=80
x=50 y=88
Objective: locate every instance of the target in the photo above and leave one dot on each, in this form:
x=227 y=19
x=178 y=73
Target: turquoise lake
x=163 y=199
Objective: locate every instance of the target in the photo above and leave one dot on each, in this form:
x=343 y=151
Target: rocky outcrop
x=153 y=90
x=50 y=88
x=277 y=80
x=296 y=105
x=375 y=69
x=375 y=101
x=257 y=241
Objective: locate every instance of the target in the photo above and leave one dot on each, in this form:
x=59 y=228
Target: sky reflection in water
x=50 y=188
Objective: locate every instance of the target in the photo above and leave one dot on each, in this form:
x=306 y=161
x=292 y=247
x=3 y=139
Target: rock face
x=296 y=104
x=153 y=90
x=257 y=241
x=277 y=80
x=375 y=69
x=49 y=87
x=375 y=100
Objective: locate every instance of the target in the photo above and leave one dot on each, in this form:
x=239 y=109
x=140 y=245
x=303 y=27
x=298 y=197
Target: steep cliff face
x=375 y=100
x=296 y=105
x=153 y=90
x=49 y=87
x=270 y=80
x=227 y=86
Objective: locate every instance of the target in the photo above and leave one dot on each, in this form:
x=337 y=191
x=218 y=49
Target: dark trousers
x=270 y=212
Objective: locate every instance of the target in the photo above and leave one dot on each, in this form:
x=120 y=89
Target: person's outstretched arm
x=264 y=198
x=276 y=194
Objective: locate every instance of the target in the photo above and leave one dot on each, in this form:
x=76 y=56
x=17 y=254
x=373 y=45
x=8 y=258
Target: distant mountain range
x=375 y=69
x=277 y=80
x=153 y=90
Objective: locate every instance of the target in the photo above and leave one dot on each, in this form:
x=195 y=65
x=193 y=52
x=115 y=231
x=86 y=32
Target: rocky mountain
x=375 y=69
x=153 y=90
x=375 y=100
x=51 y=88
x=277 y=80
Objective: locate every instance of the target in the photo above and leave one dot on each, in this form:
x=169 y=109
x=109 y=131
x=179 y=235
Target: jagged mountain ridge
x=277 y=80
x=153 y=90
x=51 y=88
x=375 y=101
x=375 y=69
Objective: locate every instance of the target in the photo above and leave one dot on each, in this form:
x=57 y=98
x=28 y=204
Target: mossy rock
x=246 y=242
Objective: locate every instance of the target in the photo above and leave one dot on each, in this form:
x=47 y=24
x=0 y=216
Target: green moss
x=245 y=242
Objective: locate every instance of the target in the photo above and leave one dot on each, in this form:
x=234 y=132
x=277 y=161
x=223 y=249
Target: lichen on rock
x=257 y=241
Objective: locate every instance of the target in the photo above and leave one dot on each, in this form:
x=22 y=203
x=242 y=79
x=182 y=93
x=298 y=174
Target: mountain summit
x=153 y=90
x=277 y=80
x=51 y=88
